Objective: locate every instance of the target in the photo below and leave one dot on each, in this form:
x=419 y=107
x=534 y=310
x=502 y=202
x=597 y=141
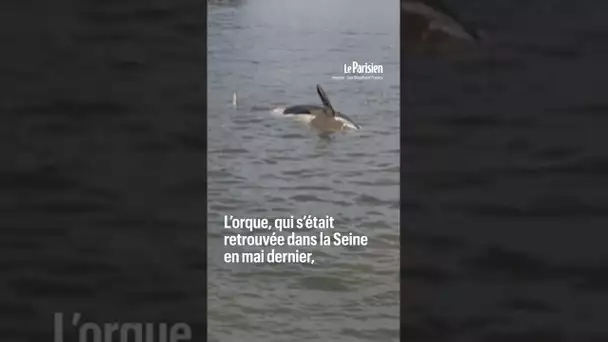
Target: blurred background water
x=505 y=178
x=102 y=153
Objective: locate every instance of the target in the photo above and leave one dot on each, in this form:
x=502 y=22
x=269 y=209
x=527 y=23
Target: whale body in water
x=323 y=118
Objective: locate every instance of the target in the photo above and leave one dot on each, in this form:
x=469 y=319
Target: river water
x=100 y=167
x=504 y=175
x=272 y=53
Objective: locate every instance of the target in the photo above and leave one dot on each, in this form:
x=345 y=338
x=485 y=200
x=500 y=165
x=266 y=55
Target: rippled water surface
x=505 y=178
x=102 y=154
x=273 y=53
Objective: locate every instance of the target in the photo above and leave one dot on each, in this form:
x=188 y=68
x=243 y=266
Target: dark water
x=504 y=173
x=102 y=155
x=273 y=53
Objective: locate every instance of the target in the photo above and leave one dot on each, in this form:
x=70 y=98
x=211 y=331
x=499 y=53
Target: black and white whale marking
x=324 y=118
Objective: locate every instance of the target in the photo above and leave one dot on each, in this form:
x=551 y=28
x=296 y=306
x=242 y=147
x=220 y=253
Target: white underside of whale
x=307 y=118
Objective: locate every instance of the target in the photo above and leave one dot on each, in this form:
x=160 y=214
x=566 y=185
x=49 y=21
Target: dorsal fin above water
x=325 y=100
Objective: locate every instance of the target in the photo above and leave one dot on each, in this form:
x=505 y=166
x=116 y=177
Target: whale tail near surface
x=323 y=118
x=328 y=119
x=325 y=101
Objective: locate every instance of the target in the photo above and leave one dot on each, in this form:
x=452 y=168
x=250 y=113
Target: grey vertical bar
x=266 y=161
